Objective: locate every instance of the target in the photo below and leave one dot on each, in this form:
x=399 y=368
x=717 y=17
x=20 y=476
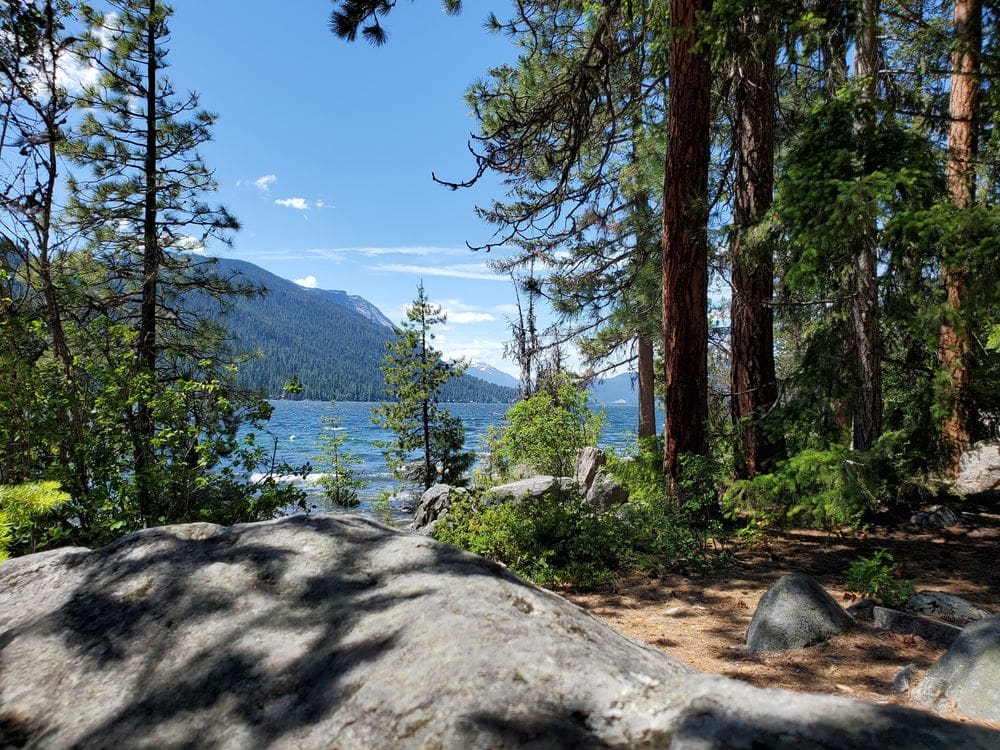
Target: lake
x=296 y=425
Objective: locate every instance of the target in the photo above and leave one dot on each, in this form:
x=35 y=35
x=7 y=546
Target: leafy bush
x=546 y=431
x=827 y=489
x=879 y=577
x=560 y=540
x=21 y=506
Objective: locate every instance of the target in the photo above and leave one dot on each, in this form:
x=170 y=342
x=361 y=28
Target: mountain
x=330 y=341
x=616 y=389
x=491 y=374
x=353 y=302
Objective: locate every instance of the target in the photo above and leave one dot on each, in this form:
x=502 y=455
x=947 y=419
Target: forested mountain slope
x=332 y=342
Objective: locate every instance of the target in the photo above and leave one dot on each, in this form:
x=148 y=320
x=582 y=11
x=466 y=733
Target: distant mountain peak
x=491 y=374
x=353 y=302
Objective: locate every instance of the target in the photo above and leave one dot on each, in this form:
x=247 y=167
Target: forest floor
x=701 y=618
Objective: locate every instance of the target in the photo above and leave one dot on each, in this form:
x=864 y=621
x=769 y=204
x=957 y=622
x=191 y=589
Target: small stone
x=946 y=606
x=901 y=682
x=934 y=518
x=906 y=623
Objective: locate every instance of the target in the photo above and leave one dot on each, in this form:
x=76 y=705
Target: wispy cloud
x=264 y=182
x=76 y=72
x=271 y=255
x=309 y=282
x=465 y=318
x=472 y=271
x=300 y=204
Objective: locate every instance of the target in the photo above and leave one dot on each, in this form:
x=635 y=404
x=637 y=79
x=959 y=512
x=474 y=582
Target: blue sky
x=324 y=151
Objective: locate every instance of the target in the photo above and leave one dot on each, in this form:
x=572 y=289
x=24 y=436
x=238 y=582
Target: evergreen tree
x=142 y=207
x=414 y=374
x=341 y=481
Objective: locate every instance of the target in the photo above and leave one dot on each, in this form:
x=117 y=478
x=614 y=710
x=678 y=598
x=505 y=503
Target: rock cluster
x=590 y=482
x=334 y=631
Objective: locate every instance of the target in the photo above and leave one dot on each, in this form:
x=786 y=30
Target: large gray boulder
x=967 y=677
x=589 y=462
x=434 y=505
x=600 y=490
x=605 y=493
x=794 y=613
x=334 y=631
x=979 y=470
x=533 y=488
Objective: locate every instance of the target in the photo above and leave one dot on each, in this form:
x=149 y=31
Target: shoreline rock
x=332 y=630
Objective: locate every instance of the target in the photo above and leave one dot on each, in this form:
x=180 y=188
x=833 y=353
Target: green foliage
x=813 y=487
x=415 y=374
x=22 y=506
x=340 y=481
x=546 y=431
x=880 y=578
x=382 y=507
x=559 y=540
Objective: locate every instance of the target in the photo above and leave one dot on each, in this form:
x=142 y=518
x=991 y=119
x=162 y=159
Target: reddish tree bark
x=752 y=372
x=956 y=337
x=685 y=241
x=647 y=398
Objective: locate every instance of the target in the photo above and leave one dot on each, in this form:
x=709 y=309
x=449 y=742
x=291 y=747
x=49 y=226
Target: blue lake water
x=296 y=426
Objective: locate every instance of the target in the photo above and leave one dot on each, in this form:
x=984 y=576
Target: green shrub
x=21 y=507
x=559 y=540
x=879 y=577
x=827 y=489
x=340 y=481
x=546 y=431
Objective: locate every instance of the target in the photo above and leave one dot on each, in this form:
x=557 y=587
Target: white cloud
x=188 y=244
x=507 y=309
x=320 y=203
x=463 y=318
x=300 y=204
x=309 y=282
x=264 y=182
x=75 y=72
x=472 y=271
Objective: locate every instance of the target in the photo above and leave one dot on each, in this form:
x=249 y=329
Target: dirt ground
x=701 y=618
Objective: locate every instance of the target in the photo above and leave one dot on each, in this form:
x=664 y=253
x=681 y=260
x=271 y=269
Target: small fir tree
x=341 y=481
x=414 y=374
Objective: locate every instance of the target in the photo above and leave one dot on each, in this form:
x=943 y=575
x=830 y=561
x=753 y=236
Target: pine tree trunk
x=685 y=242
x=752 y=372
x=146 y=347
x=864 y=299
x=647 y=396
x=425 y=415
x=956 y=337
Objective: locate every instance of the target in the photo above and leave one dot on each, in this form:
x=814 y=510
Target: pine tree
x=341 y=481
x=685 y=240
x=414 y=374
x=142 y=207
x=956 y=328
